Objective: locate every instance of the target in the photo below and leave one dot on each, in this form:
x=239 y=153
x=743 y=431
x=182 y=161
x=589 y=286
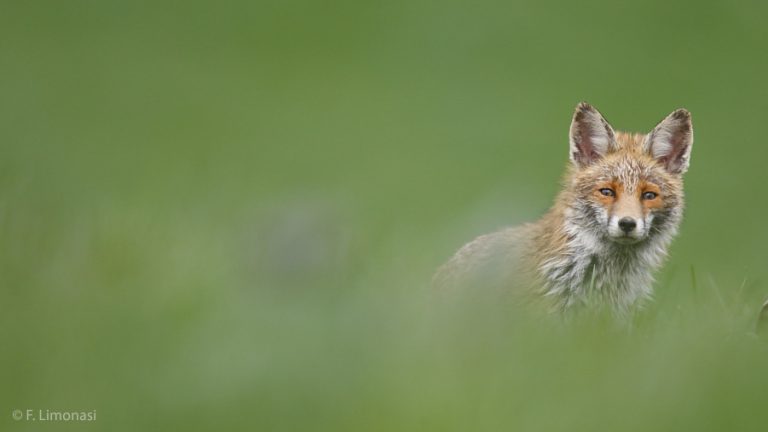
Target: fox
x=606 y=234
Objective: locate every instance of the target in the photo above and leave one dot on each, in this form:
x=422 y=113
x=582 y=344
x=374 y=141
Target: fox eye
x=649 y=195
x=607 y=192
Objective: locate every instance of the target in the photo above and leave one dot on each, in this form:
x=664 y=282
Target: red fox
x=608 y=231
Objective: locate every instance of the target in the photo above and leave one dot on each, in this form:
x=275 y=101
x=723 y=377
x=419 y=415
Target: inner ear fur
x=671 y=140
x=591 y=136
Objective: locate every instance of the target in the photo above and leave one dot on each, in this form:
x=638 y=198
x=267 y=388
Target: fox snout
x=628 y=221
x=627 y=224
x=627 y=229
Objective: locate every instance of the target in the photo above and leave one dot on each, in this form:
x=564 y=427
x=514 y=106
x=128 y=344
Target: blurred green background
x=225 y=215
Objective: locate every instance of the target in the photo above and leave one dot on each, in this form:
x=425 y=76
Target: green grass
x=226 y=216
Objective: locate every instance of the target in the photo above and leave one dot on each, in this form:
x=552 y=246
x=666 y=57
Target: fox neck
x=583 y=267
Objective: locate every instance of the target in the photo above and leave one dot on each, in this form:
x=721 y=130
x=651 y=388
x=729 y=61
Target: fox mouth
x=626 y=239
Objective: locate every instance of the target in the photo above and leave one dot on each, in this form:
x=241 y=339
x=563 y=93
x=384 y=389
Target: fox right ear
x=591 y=136
x=671 y=140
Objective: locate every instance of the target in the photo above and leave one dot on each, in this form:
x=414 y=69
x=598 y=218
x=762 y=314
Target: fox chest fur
x=608 y=232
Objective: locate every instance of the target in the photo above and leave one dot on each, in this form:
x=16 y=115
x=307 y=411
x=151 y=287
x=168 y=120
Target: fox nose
x=627 y=224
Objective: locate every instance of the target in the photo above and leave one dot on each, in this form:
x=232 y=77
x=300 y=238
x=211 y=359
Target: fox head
x=626 y=188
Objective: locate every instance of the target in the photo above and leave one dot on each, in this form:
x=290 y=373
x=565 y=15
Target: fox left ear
x=671 y=140
x=591 y=137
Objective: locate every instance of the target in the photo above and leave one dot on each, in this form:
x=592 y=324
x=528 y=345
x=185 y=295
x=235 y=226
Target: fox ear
x=671 y=140
x=591 y=136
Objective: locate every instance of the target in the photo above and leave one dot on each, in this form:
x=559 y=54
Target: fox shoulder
x=491 y=259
